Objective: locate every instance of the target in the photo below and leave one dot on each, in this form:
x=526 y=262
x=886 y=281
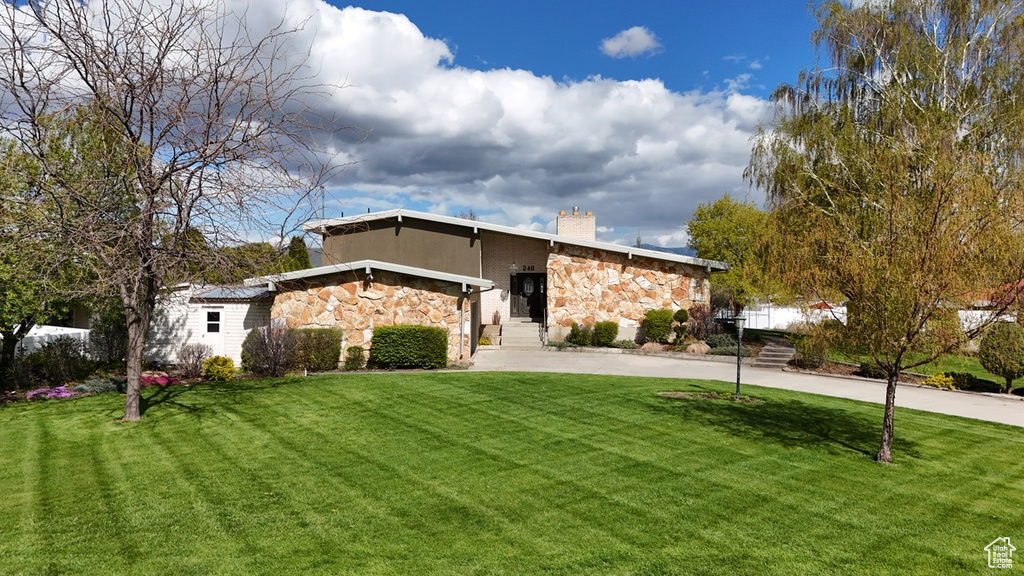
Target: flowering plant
x=158 y=381
x=49 y=393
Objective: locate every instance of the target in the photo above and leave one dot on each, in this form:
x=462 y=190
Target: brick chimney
x=576 y=225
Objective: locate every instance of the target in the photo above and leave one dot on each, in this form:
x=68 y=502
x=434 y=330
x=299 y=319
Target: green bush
x=580 y=335
x=355 y=358
x=871 y=370
x=745 y=352
x=965 y=381
x=218 y=368
x=319 y=349
x=657 y=325
x=55 y=363
x=409 y=346
x=721 y=341
x=624 y=344
x=681 y=316
x=811 y=352
x=269 y=351
x=605 y=333
x=1002 y=352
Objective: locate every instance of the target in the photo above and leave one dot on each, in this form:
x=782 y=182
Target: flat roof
x=476 y=225
x=368 y=266
x=233 y=293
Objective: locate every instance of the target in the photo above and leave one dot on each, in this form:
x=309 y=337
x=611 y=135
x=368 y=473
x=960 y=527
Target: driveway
x=989 y=407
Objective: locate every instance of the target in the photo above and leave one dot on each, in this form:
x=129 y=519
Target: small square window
x=212 y=322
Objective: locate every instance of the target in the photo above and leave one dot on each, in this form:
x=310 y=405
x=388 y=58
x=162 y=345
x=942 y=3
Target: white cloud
x=633 y=42
x=513 y=146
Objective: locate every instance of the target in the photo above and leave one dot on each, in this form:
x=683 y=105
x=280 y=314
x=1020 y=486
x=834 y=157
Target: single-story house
x=406 y=267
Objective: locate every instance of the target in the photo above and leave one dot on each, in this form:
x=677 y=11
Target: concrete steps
x=520 y=335
x=775 y=355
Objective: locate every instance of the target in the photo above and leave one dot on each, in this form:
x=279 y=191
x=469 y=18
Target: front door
x=528 y=295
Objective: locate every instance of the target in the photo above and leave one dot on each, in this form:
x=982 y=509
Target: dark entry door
x=528 y=295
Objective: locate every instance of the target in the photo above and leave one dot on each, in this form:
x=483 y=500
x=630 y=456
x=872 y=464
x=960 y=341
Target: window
x=212 y=322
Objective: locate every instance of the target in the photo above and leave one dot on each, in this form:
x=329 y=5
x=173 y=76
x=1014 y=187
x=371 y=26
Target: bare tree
x=158 y=123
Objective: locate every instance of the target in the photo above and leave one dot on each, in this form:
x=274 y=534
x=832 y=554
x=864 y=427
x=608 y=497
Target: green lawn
x=485 y=473
x=946 y=363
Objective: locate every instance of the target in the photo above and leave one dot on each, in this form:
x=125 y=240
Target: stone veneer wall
x=587 y=286
x=347 y=302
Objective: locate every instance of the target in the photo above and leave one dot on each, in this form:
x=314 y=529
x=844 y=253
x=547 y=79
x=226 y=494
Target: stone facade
x=356 y=306
x=587 y=286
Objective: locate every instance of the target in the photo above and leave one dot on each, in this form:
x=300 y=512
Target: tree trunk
x=885 y=450
x=138 y=325
x=8 y=347
x=1009 y=385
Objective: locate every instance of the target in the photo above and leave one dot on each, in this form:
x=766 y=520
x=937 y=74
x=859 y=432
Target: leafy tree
x=150 y=121
x=33 y=289
x=1002 y=352
x=297 y=257
x=732 y=232
x=893 y=173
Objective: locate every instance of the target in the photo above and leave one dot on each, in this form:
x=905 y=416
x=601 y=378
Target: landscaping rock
x=698 y=348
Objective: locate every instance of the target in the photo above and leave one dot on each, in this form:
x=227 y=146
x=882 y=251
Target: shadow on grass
x=790 y=423
x=241 y=392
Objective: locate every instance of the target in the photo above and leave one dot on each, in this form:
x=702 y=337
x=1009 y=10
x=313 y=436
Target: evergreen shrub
x=409 y=346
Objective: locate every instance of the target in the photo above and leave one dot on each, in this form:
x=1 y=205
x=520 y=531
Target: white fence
x=40 y=335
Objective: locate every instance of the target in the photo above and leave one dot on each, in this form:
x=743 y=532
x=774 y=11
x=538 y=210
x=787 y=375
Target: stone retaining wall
x=586 y=285
x=350 y=303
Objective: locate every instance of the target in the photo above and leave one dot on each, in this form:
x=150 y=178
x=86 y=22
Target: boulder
x=698 y=348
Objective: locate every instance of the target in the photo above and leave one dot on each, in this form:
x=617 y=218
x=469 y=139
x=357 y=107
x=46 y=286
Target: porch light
x=513 y=269
x=740 y=320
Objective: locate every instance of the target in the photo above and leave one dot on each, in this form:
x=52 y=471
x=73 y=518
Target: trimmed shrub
x=681 y=316
x=580 y=335
x=219 y=368
x=943 y=380
x=190 y=359
x=657 y=325
x=319 y=349
x=965 y=381
x=745 y=352
x=1002 y=352
x=721 y=341
x=702 y=322
x=355 y=358
x=605 y=333
x=409 y=346
x=269 y=351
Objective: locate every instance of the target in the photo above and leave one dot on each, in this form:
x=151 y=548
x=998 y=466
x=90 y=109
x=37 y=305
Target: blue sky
x=704 y=44
x=637 y=111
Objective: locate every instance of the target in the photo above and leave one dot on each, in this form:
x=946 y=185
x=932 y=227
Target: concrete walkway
x=990 y=407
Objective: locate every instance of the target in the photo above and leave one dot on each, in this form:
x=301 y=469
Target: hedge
x=409 y=346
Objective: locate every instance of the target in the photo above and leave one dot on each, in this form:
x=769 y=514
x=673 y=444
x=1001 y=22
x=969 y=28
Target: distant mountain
x=682 y=251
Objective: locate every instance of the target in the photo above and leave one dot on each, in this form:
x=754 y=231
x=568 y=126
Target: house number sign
x=527 y=268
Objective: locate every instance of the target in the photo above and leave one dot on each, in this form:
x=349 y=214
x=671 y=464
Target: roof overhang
x=368 y=267
x=399 y=215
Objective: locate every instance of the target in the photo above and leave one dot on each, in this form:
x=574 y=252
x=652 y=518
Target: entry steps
x=776 y=354
x=521 y=334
